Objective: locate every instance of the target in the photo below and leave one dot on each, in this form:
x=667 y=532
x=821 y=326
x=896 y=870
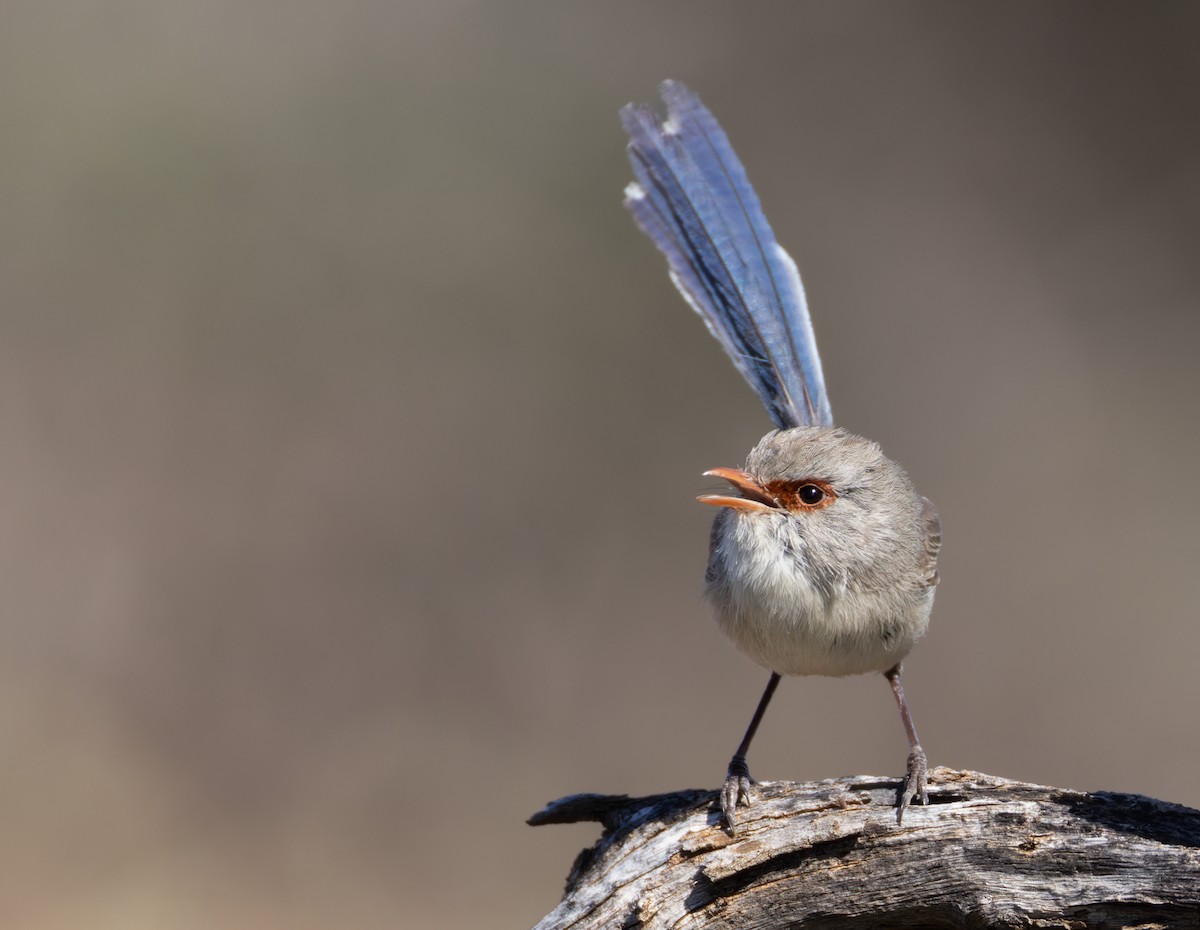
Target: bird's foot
x=738 y=790
x=915 y=784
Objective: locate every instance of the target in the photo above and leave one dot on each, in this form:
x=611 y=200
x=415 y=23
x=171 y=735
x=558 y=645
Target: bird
x=823 y=555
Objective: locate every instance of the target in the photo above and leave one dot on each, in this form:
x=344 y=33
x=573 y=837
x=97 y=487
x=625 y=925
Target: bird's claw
x=738 y=791
x=915 y=784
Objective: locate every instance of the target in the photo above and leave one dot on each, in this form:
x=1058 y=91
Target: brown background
x=350 y=430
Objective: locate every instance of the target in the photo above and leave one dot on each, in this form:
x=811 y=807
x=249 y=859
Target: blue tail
x=693 y=199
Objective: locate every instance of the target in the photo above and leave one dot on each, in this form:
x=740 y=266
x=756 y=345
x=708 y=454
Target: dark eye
x=811 y=494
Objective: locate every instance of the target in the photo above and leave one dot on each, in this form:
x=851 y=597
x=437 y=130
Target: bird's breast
x=788 y=613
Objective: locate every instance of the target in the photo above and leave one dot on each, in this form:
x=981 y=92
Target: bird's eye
x=811 y=494
x=801 y=495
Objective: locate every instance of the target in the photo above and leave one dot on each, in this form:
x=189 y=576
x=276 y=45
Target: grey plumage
x=842 y=590
x=825 y=561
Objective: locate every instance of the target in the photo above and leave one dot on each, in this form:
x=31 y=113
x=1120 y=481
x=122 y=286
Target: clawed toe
x=915 y=784
x=738 y=791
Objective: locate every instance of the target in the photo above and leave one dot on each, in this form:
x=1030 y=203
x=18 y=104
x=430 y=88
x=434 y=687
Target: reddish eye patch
x=804 y=494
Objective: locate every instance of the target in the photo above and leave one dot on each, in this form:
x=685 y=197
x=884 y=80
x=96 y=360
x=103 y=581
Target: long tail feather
x=692 y=198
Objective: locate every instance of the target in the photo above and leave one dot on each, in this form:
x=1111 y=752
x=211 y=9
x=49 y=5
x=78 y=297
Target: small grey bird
x=824 y=561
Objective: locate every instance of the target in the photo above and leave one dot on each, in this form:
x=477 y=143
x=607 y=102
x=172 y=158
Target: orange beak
x=754 y=496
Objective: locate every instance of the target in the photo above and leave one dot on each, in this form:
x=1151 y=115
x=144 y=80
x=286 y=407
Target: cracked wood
x=986 y=852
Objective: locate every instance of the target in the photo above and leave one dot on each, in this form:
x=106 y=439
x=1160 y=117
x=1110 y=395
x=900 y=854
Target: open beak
x=754 y=495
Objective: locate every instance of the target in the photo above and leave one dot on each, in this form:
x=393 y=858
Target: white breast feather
x=776 y=614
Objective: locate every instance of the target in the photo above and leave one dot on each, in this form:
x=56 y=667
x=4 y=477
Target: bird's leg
x=916 y=778
x=738 y=784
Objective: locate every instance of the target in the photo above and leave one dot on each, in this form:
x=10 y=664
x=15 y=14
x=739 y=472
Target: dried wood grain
x=986 y=852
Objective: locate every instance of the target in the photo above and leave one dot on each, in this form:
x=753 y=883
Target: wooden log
x=986 y=852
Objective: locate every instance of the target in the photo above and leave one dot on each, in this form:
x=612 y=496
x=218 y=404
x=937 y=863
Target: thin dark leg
x=738 y=783
x=916 y=778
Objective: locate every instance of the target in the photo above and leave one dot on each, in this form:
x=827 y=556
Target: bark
x=986 y=852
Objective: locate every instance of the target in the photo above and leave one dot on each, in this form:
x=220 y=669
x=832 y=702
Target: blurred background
x=351 y=430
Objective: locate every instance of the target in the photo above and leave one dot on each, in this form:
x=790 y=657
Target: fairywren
x=823 y=560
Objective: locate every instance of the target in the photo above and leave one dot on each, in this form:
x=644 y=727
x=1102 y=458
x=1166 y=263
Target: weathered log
x=986 y=852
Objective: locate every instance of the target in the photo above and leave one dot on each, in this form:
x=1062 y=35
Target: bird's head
x=830 y=485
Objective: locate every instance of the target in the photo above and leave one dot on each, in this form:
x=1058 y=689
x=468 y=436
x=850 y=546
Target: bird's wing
x=692 y=197
x=931 y=535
